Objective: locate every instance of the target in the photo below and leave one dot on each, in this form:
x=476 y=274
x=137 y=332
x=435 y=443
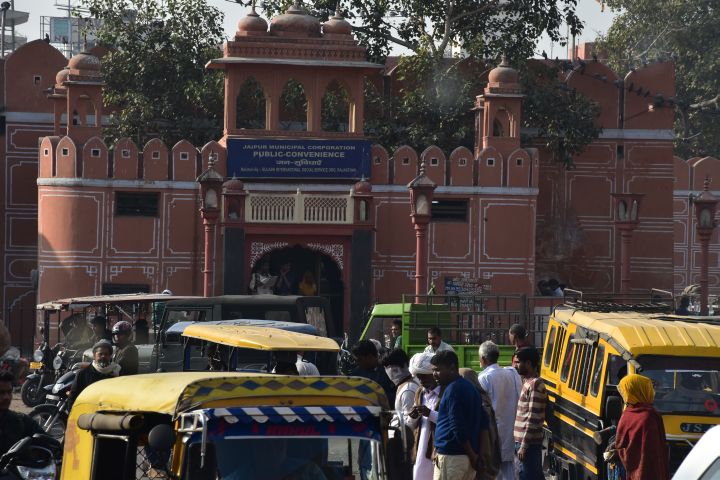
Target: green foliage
x=293 y=106
x=565 y=120
x=686 y=32
x=157 y=84
x=335 y=109
x=432 y=100
x=250 y=105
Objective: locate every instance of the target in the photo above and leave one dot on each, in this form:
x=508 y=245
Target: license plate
x=696 y=427
x=36 y=365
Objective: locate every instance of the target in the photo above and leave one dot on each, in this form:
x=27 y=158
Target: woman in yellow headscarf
x=640 y=437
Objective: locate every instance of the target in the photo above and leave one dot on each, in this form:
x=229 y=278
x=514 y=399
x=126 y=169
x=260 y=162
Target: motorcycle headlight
x=38 y=356
x=44 y=473
x=57 y=362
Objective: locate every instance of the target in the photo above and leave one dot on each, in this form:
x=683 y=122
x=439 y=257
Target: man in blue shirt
x=461 y=418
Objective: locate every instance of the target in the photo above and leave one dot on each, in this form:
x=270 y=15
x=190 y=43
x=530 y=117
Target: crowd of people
x=285 y=282
x=462 y=425
x=458 y=424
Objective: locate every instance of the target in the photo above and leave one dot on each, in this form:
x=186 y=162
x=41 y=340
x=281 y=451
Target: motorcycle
x=32 y=391
x=35 y=457
x=52 y=416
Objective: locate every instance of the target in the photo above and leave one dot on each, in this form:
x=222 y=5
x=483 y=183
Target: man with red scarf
x=640 y=437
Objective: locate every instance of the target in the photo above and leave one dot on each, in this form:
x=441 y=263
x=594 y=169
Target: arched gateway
x=300 y=269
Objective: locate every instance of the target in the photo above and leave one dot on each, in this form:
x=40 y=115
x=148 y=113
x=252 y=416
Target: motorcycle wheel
x=43 y=413
x=31 y=393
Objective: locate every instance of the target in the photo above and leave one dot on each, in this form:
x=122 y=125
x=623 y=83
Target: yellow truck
x=585 y=355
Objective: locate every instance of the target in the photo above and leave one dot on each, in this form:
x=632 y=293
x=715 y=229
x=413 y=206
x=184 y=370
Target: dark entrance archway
x=324 y=271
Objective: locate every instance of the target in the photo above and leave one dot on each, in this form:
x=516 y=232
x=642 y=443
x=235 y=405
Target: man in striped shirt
x=530 y=415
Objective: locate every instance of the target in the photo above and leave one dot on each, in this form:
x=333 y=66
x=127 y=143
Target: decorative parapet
x=299 y=208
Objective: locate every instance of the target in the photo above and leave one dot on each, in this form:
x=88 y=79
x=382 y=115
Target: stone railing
x=298 y=208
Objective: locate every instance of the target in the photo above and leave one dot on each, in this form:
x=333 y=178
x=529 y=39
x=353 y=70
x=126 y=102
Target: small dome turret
x=295 y=22
x=503 y=73
x=363 y=187
x=61 y=76
x=252 y=24
x=337 y=25
x=233 y=186
x=86 y=63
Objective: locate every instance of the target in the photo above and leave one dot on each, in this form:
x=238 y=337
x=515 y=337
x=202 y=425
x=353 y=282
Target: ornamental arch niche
x=293 y=107
x=251 y=106
x=336 y=108
x=323 y=262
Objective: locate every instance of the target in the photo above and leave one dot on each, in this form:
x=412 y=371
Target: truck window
x=558 y=348
x=549 y=346
x=616 y=370
x=597 y=371
x=174 y=316
x=567 y=361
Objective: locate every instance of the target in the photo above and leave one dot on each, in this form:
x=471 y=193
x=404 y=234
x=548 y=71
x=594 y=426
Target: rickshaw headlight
x=38 y=355
x=57 y=362
x=44 y=473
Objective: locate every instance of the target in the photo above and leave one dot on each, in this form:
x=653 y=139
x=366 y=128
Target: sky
x=588 y=10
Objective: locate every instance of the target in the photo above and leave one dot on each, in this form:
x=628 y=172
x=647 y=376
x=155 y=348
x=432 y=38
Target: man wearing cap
x=423 y=415
x=101 y=368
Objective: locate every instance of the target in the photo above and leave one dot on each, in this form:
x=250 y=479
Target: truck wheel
x=31 y=393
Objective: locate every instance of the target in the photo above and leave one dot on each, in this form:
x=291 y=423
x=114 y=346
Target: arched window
x=501 y=124
x=293 y=107
x=250 y=106
x=335 y=110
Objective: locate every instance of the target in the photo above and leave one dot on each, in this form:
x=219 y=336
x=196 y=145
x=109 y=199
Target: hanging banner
x=271 y=158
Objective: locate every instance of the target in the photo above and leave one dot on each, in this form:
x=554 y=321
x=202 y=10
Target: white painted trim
x=685 y=194
x=34 y=117
x=624 y=133
x=93 y=182
x=294 y=187
x=518 y=191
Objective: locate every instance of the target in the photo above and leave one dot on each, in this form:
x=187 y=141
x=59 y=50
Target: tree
x=684 y=31
x=157 y=84
x=433 y=103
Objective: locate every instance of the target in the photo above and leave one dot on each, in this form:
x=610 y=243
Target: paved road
x=17 y=403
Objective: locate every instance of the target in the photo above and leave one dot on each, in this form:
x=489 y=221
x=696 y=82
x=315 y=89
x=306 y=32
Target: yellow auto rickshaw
x=227 y=346
x=205 y=425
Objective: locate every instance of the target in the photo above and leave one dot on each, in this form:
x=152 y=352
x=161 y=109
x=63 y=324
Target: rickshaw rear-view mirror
x=161 y=437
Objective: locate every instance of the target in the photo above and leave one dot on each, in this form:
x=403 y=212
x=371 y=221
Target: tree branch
x=713 y=102
x=410 y=45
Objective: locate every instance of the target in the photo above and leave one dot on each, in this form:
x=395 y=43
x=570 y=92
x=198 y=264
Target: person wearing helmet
x=126 y=354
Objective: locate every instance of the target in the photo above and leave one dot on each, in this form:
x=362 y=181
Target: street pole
x=705 y=206
x=420 y=258
x=209 y=217
x=421 y=194
x=627 y=217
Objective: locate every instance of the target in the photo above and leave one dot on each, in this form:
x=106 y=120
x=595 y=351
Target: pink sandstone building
x=82 y=217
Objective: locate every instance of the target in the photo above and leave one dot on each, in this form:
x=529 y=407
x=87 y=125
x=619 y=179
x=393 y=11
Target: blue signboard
x=271 y=158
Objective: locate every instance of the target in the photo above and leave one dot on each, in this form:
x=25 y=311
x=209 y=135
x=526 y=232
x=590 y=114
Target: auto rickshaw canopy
x=260 y=338
x=173 y=393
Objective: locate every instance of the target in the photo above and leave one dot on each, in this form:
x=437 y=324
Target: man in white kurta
x=503 y=385
x=423 y=416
